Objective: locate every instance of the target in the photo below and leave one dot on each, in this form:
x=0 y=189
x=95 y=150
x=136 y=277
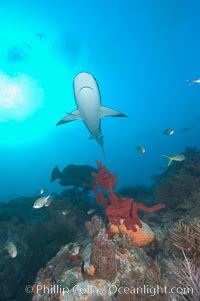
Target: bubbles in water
x=20 y=97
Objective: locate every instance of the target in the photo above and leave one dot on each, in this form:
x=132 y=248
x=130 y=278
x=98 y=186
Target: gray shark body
x=89 y=109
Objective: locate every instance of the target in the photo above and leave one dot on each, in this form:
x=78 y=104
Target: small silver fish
x=141 y=149
x=42 y=191
x=168 y=132
x=91 y=211
x=11 y=248
x=65 y=212
x=39 y=203
x=193 y=81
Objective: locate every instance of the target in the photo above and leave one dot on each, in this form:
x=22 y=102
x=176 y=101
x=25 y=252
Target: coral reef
x=122 y=254
x=70 y=282
x=118 y=210
x=105 y=264
x=94 y=226
x=188 y=276
x=180 y=181
x=141 y=237
x=186 y=237
x=103 y=256
x=38 y=235
x=113 y=269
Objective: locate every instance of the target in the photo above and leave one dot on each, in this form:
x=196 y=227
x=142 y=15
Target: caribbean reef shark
x=89 y=109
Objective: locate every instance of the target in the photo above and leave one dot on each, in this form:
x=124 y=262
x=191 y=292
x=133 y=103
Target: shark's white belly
x=88 y=103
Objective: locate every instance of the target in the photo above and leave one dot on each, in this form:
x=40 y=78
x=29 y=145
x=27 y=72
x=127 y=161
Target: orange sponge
x=141 y=237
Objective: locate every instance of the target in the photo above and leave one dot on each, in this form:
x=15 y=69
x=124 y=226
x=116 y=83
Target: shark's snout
x=84 y=80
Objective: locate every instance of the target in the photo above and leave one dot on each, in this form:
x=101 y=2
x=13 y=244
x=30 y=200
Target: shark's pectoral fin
x=110 y=112
x=75 y=115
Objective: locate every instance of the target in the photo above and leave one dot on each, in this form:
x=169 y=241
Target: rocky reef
x=101 y=266
x=180 y=183
x=116 y=269
x=141 y=244
x=139 y=260
x=37 y=234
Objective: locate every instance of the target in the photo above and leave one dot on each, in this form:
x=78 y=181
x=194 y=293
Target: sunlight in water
x=20 y=97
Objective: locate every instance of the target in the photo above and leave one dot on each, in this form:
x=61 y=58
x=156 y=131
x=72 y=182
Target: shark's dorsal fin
x=105 y=111
x=75 y=115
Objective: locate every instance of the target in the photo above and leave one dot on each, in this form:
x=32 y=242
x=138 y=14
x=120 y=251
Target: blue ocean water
x=140 y=52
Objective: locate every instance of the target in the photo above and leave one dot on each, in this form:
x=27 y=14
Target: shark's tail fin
x=99 y=139
x=169 y=158
x=56 y=174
